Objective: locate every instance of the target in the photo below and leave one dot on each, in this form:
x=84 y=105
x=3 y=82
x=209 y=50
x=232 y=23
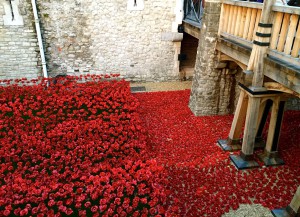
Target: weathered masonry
x=137 y=39
x=19 y=50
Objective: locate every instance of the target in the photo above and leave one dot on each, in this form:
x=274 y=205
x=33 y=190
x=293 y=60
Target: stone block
x=171 y=36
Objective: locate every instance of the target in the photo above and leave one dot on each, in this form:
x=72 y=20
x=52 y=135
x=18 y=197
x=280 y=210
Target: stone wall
x=86 y=36
x=19 y=52
x=293 y=104
x=213 y=90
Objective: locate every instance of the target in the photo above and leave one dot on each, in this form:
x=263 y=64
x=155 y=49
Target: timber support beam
x=253 y=109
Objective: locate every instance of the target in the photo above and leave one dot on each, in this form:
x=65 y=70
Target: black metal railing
x=193 y=11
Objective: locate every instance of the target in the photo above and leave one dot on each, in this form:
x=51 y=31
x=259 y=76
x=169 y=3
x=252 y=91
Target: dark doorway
x=188 y=52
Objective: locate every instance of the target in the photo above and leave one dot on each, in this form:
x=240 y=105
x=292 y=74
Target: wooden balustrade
x=239 y=21
x=285 y=40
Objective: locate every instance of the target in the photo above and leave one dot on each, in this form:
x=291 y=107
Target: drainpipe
x=39 y=37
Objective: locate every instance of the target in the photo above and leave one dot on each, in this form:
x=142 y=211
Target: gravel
x=247 y=210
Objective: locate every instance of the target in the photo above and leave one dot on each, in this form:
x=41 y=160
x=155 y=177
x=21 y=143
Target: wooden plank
x=284 y=57
x=279 y=87
x=239 y=116
x=283 y=32
x=222 y=18
x=191 y=30
x=234 y=20
x=296 y=46
x=238 y=21
x=225 y=15
x=243 y=20
x=276 y=30
x=252 y=24
x=291 y=34
x=247 y=22
x=285 y=76
x=230 y=18
x=237 y=39
x=235 y=54
x=258 y=15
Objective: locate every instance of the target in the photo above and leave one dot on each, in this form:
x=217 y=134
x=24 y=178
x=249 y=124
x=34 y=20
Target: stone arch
x=225 y=58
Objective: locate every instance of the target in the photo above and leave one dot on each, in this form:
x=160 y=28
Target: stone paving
x=162 y=86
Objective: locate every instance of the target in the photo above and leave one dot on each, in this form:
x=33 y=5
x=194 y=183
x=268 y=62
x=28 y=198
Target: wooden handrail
x=243 y=3
x=286 y=9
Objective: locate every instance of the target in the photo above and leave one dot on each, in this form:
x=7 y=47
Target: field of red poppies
x=76 y=149
x=201 y=177
x=86 y=146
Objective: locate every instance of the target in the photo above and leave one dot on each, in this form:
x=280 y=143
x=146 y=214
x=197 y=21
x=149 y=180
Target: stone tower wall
x=213 y=91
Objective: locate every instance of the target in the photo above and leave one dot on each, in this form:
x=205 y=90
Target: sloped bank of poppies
x=200 y=174
x=72 y=148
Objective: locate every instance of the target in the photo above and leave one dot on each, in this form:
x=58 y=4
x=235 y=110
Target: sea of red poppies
x=73 y=148
x=201 y=177
x=86 y=146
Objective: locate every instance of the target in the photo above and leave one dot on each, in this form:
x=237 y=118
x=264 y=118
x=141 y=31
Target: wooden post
x=263 y=115
x=233 y=142
x=239 y=117
x=245 y=159
x=292 y=210
x=250 y=128
x=294 y=206
x=272 y=125
x=260 y=44
x=270 y=156
x=256 y=64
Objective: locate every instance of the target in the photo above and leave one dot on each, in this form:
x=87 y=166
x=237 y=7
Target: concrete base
x=281 y=213
x=270 y=159
x=230 y=145
x=241 y=164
